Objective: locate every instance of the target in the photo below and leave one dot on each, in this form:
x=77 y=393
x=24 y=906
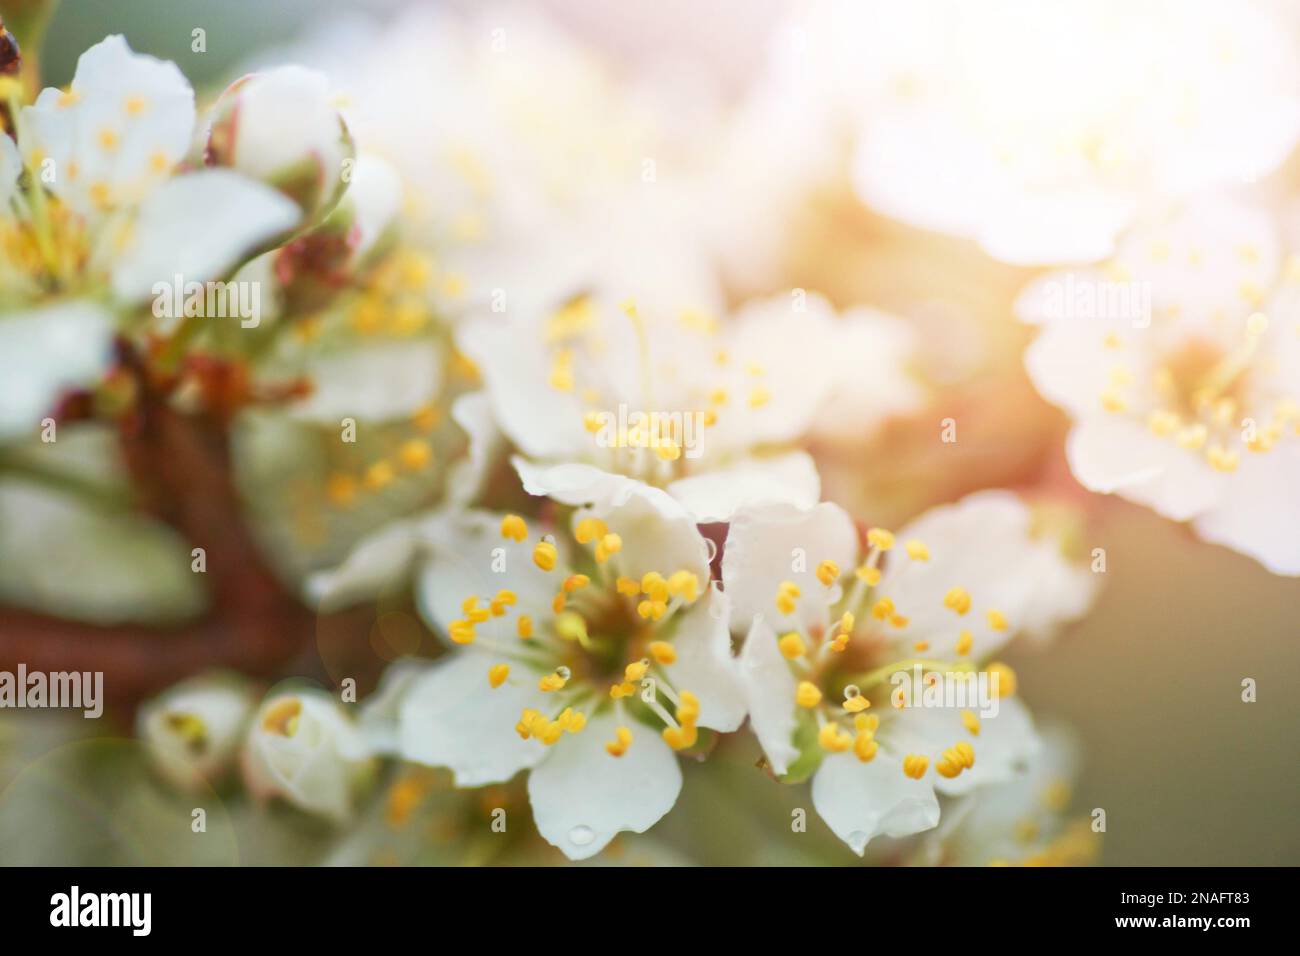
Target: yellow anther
x=497 y=674
x=866 y=723
x=807 y=694
x=663 y=652
x=834 y=738
x=684 y=584
x=571 y=626
x=1163 y=422
x=524 y=627
x=341 y=489
x=1112 y=401
x=679 y=738
x=504 y=599
x=572 y=720
x=667 y=449
x=1222 y=459
x=957 y=599
x=970 y=720
x=635 y=671
x=1006 y=679
x=545 y=555
x=461 y=632
x=865 y=747
x=655 y=586
x=997 y=620
x=759 y=396
x=628 y=587
x=629 y=308
x=718 y=396
x=575 y=581
x=1192 y=437
x=921 y=646
x=964 y=641
x=610 y=544
x=415 y=454
x=869 y=575
x=899 y=621
x=846 y=622
x=688 y=711
x=828 y=572
x=882 y=609
x=561 y=377
x=856 y=703
x=282 y=717
x=622 y=689
x=792 y=646
x=786 y=597
x=880 y=538
x=618 y=746
x=514 y=528
x=426 y=419
x=589 y=529
x=651 y=610
x=378 y=475
x=107 y=139
x=558 y=602
x=555 y=680
x=917 y=551
x=914 y=765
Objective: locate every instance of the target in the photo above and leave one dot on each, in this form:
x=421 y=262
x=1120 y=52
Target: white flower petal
x=44 y=352
x=1257 y=515
x=1117 y=456
x=466 y=477
x=705 y=665
x=983 y=544
x=582 y=797
x=716 y=495
x=375 y=383
x=198 y=226
x=126 y=120
x=766 y=544
x=769 y=690
x=1003 y=748
x=380 y=560
x=860 y=801
x=451 y=717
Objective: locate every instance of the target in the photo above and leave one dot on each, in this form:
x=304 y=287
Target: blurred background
x=1150 y=681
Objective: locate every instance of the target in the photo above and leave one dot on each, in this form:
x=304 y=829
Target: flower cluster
x=466 y=335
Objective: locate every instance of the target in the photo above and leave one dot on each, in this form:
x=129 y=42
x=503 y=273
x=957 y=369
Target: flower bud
x=281 y=127
x=192 y=730
x=301 y=748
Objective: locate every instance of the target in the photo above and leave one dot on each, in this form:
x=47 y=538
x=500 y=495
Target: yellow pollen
x=914 y=765
x=135 y=105
x=281 y=718
x=107 y=139
x=618 y=746
x=899 y=621
x=964 y=642
x=792 y=646
x=589 y=529
x=524 y=627
x=503 y=600
x=635 y=671
x=610 y=544
x=807 y=694
x=869 y=574
x=921 y=646
x=663 y=652
x=497 y=674
x=461 y=632
x=553 y=681
x=628 y=587
x=545 y=555
x=997 y=620
x=882 y=609
x=880 y=538
x=415 y=454
x=855 y=703
x=575 y=581
x=758 y=397
x=865 y=747
x=679 y=738
x=1006 y=679
x=378 y=475
x=957 y=599
x=514 y=528
x=828 y=572
x=834 y=738
x=341 y=489
x=917 y=551
x=1222 y=459
x=970 y=720
x=158 y=161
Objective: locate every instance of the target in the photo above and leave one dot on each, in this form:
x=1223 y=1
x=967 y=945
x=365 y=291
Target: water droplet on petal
x=581 y=835
x=710 y=550
x=852 y=691
x=563 y=672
